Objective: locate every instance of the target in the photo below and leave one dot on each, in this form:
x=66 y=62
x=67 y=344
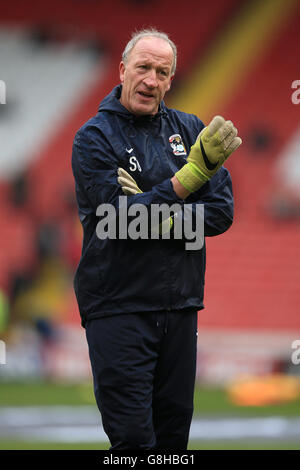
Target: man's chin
x=142 y=108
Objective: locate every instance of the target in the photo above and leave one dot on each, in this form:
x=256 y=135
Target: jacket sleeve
x=217 y=197
x=95 y=167
x=218 y=204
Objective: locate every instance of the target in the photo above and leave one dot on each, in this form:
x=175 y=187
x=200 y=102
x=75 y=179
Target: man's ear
x=169 y=86
x=122 y=71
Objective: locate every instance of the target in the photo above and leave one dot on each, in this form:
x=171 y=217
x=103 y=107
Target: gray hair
x=151 y=32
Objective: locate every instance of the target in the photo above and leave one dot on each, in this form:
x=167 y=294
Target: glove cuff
x=191 y=177
x=166 y=226
x=163 y=228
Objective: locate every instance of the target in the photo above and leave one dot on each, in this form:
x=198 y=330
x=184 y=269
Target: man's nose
x=151 y=79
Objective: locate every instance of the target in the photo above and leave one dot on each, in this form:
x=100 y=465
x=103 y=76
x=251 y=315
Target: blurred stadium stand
x=59 y=59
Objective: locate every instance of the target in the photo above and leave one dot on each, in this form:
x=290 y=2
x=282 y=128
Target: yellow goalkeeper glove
x=213 y=146
x=130 y=187
x=128 y=184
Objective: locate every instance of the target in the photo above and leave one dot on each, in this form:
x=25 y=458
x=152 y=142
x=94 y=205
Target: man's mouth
x=145 y=95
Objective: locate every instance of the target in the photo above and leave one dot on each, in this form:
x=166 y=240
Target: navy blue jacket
x=124 y=275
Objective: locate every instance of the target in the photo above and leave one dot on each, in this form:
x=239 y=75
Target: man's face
x=146 y=77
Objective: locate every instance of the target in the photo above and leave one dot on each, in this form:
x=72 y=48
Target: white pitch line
x=83 y=424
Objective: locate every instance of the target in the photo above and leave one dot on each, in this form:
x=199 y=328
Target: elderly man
x=139 y=296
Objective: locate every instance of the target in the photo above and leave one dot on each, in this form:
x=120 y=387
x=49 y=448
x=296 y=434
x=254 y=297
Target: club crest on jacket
x=177 y=144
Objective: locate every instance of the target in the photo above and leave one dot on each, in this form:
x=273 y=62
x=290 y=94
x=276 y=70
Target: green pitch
x=194 y=445
x=209 y=401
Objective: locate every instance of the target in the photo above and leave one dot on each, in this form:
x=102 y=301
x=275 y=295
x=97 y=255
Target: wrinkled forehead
x=153 y=48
